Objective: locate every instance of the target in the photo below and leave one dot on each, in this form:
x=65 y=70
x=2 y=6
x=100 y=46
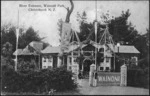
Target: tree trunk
x=69 y=11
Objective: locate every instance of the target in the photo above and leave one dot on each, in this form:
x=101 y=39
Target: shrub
x=138 y=77
x=37 y=81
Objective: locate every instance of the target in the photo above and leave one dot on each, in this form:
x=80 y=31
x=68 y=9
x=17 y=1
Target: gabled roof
x=19 y=52
x=51 y=49
x=126 y=49
x=38 y=46
x=34 y=48
x=28 y=50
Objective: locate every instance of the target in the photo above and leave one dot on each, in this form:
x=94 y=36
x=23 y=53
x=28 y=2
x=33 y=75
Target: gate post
x=91 y=74
x=75 y=70
x=123 y=75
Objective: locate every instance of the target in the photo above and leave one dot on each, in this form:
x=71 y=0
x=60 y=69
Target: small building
x=31 y=52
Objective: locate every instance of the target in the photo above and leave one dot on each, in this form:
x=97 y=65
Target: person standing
x=95 y=79
x=80 y=78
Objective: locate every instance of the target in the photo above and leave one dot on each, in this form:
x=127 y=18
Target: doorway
x=86 y=67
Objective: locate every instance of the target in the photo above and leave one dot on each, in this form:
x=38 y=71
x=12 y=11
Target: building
x=31 y=52
x=106 y=60
x=109 y=57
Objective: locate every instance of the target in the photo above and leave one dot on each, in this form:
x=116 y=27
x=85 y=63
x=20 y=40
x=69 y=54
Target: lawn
x=75 y=92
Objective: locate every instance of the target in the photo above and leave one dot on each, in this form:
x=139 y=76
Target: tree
x=25 y=37
x=121 y=29
x=8 y=35
x=67 y=20
x=6 y=55
x=69 y=11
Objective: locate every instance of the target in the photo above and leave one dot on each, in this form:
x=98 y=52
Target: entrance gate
x=86 y=67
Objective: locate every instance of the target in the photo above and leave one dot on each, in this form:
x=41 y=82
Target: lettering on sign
x=108 y=78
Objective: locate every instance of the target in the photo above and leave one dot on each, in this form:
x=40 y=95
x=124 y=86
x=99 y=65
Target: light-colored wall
x=47 y=61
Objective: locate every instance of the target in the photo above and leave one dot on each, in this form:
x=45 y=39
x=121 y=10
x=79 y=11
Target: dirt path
x=85 y=89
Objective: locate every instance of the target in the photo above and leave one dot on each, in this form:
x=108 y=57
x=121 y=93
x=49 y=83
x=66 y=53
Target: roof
x=38 y=46
x=19 y=52
x=51 y=49
x=74 y=46
x=29 y=50
x=33 y=48
x=126 y=49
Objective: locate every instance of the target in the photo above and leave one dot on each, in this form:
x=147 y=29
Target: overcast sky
x=46 y=21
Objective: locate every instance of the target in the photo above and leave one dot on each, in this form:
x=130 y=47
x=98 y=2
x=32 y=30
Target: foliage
x=37 y=81
x=7 y=49
x=142 y=40
x=6 y=55
x=121 y=30
x=7 y=62
x=25 y=36
x=27 y=66
x=138 y=77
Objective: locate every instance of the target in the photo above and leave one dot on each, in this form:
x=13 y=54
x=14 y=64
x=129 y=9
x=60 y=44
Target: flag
x=66 y=34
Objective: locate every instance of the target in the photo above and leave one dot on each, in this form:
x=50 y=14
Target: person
x=80 y=75
x=80 y=78
x=95 y=78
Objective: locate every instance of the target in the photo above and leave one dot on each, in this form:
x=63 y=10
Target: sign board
x=108 y=78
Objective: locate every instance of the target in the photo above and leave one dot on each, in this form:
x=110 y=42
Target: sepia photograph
x=74 y=47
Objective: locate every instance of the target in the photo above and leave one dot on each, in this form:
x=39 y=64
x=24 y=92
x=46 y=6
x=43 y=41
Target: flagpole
x=96 y=34
x=17 y=35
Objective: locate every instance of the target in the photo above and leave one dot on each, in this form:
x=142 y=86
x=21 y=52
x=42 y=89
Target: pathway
x=85 y=89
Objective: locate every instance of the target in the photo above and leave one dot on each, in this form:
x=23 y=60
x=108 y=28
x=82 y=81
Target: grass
x=74 y=92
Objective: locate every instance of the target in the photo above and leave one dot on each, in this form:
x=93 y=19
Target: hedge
x=138 y=78
x=37 y=81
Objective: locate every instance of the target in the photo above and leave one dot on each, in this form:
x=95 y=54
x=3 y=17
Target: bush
x=37 y=81
x=138 y=77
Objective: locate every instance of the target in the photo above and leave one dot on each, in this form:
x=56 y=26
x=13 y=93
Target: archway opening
x=86 y=66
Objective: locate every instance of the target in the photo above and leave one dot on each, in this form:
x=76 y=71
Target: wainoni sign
x=108 y=78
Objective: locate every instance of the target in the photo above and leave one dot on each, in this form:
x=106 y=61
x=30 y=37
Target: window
x=49 y=67
x=44 y=59
x=101 y=68
x=70 y=60
x=107 y=68
x=50 y=60
x=107 y=59
x=101 y=50
x=69 y=67
x=44 y=67
x=75 y=60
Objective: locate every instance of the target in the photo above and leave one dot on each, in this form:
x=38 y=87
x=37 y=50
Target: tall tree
x=69 y=11
x=121 y=29
x=25 y=37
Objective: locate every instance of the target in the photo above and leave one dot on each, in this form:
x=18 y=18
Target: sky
x=45 y=22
